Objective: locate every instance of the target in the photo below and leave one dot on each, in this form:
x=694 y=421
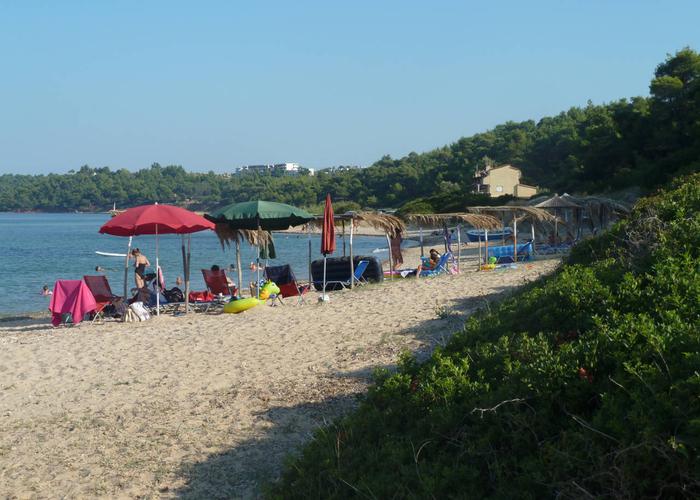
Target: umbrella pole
x=238 y=267
x=126 y=267
x=532 y=227
x=184 y=270
x=308 y=234
x=352 y=262
x=187 y=274
x=157 y=284
x=343 y=238
x=324 y=277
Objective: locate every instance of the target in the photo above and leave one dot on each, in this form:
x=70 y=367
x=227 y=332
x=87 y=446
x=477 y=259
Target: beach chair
x=102 y=292
x=217 y=285
x=284 y=278
x=441 y=266
x=357 y=277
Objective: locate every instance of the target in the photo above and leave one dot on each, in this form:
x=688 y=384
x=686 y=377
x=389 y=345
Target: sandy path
x=207 y=405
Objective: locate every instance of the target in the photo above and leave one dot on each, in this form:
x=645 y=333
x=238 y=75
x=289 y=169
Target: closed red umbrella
x=157 y=219
x=327 y=238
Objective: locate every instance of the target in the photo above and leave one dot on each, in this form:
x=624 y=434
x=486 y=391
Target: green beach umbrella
x=265 y=215
x=259 y=215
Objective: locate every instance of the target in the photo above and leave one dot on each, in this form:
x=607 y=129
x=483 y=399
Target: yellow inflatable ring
x=240 y=305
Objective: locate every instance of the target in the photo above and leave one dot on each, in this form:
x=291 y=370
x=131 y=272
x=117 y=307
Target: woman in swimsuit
x=140 y=264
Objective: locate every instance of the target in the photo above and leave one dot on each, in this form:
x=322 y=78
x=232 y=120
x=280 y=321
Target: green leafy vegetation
x=585 y=384
x=642 y=141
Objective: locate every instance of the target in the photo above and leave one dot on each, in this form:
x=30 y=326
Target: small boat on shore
x=476 y=235
x=114 y=210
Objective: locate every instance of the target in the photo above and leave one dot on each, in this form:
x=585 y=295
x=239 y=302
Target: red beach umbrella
x=327 y=238
x=157 y=219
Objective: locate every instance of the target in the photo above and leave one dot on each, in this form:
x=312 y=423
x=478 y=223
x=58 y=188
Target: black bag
x=174 y=295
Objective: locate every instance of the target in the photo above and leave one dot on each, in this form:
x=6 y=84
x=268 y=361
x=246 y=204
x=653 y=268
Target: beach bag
x=130 y=316
x=174 y=295
x=140 y=310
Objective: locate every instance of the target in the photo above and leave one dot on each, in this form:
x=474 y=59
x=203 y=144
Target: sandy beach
x=208 y=405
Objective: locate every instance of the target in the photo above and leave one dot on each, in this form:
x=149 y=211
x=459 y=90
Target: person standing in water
x=140 y=264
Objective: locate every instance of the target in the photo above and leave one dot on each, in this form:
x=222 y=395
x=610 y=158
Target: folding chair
x=99 y=286
x=440 y=268
x=357 y=276
x=284 y=278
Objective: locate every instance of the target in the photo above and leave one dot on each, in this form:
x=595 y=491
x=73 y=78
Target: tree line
x=640 y=141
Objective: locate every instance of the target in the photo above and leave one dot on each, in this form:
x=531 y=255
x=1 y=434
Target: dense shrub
x=586 y=383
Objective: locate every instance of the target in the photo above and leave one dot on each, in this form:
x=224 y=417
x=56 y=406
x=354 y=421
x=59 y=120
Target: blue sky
x=216 y=85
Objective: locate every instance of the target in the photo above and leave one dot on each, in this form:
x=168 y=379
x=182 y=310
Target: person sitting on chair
x=434 y=258
x=430 y=263
x=228 y=280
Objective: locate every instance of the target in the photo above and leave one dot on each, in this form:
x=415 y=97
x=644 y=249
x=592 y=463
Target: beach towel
x=71 y=296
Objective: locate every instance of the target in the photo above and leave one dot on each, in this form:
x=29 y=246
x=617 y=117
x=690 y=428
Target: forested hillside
x=640 y=141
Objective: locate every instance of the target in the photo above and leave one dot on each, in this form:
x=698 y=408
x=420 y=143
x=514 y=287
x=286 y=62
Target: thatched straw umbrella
x=561 y=207
x=478 y=221
x=602 y=209
x=519 y=213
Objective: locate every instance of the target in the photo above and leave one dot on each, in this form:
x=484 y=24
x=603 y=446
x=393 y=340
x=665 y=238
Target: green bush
x=586 y=383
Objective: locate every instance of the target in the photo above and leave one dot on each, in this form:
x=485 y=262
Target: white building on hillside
x=284 y=168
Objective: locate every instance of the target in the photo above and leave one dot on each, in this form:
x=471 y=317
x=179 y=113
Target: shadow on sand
x=241 y=471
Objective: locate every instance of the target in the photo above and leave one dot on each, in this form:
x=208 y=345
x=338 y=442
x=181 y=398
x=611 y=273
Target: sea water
x=38 y=249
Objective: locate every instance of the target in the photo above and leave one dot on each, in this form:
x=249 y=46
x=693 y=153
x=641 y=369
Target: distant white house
x=285 y=168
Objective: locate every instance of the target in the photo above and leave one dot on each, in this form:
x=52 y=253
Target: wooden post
x=391 y=266
x=503 y=229
x=238 y=265
x=343 y=222
x=478 y=264
x=352 y=262
x=515 y=239
x=420 y=232
x=486 y=244
x=459 y=245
